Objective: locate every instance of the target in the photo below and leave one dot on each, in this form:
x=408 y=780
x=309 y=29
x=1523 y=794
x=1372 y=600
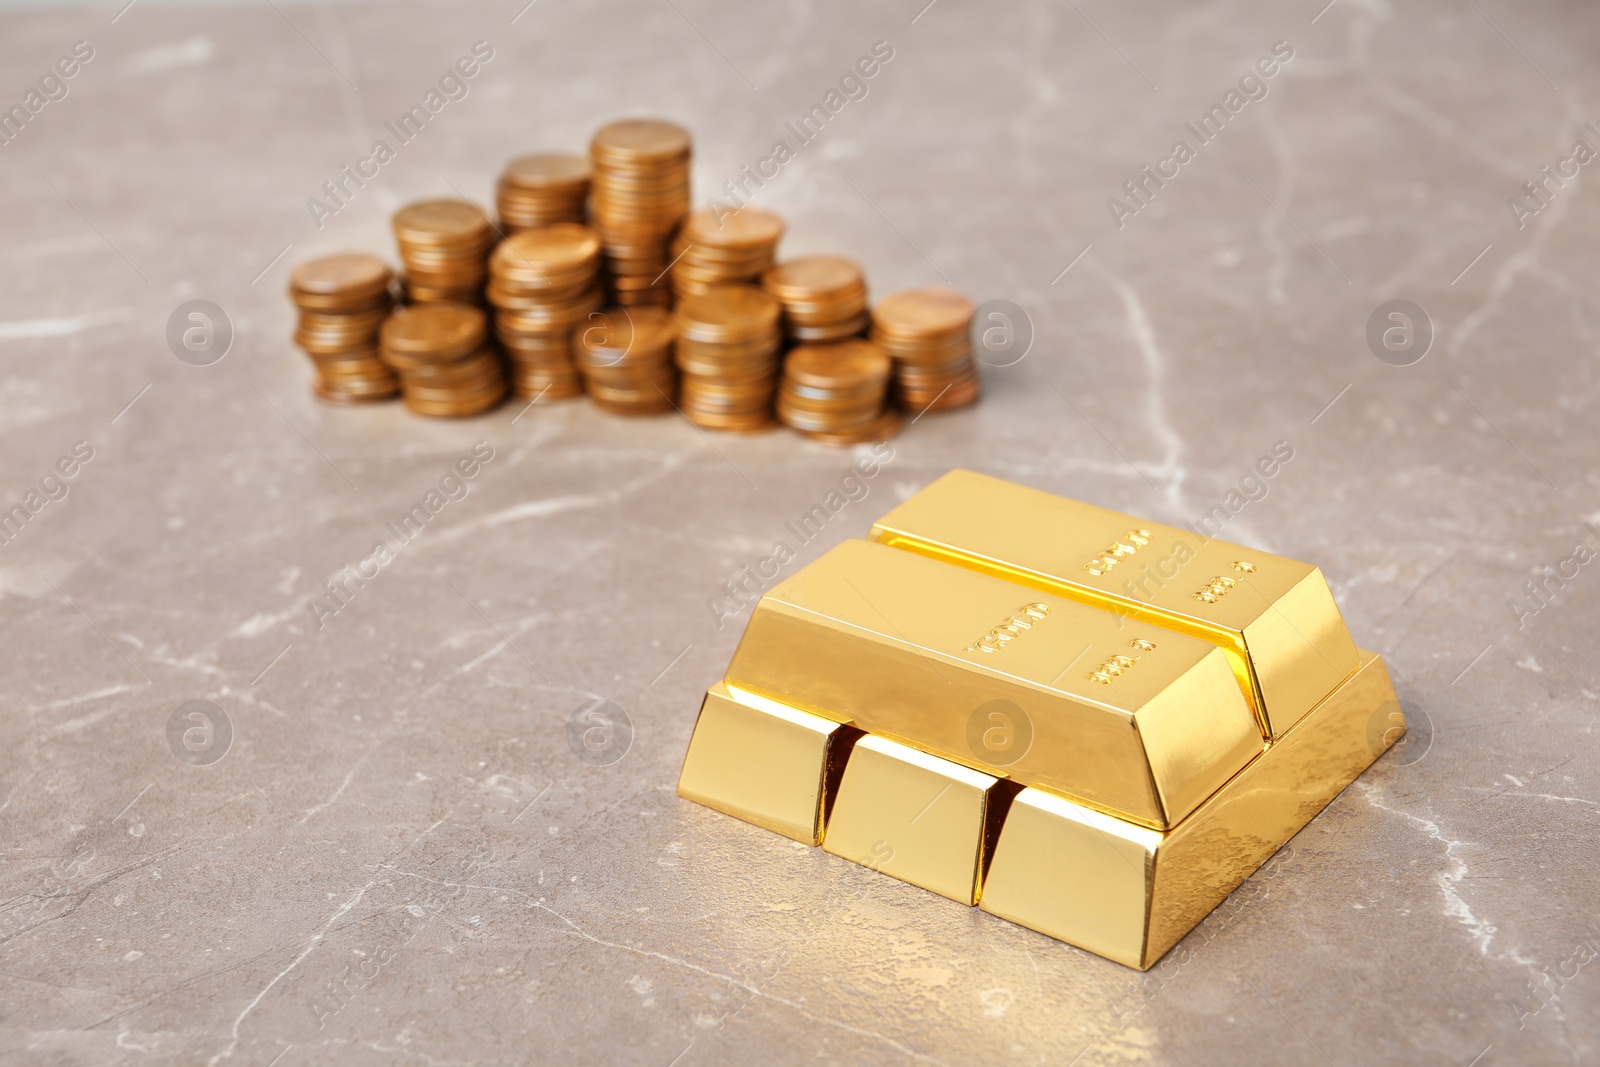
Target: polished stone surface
x=400 y=859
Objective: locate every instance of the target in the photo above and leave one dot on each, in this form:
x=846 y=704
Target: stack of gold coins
x=343 y=300
x=836 y=393
x=723 y=248
x=824 y=297
x=727 y=348
x=445 y=365
x=444 y=245
x=641 y=193
x=542 y=190
x=625 y=355
x=926 y=331
x=543 y=282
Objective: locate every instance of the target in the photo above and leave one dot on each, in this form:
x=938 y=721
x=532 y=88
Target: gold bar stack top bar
x=1089 y=724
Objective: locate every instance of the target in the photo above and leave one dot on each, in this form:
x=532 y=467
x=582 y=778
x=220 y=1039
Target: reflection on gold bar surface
x=1125 y=716
x=913 y=816
x=1129 y=893
x=1275 y=617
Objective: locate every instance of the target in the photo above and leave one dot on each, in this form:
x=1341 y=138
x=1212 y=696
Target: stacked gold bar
x=1088 y=724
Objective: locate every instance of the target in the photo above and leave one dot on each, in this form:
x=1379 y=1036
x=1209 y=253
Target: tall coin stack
x=542 y=190
x=446 y=367
x=836 y=393
x=727 y=348
x=343 y=300
x=641 y=193
x=625 y=355
x=444 y=245
x=927 y=333
x=723 y=248
x=824 y=297
x=542 y=283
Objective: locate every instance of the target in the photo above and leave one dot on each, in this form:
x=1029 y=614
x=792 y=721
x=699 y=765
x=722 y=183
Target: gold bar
x=914 y=817
x=764 y=763
x=1124 y=716
x=1130 y=893
x=1274 y=617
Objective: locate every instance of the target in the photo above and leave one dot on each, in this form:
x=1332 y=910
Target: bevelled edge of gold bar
x=767 y=764
x=1274 y=616
x=1124 y=716
x=1130 y=893
x=912 y=816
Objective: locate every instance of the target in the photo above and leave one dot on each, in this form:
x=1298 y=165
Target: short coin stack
x=727 y=345
x=444 y=245
x=541 y=190
x=723 y=248
x=641 y=193
x=824 y=297
x=343 y=300
x=835 y=393
x=926 y=331
x=625 y=355
x=445 y=366
x=542 y=282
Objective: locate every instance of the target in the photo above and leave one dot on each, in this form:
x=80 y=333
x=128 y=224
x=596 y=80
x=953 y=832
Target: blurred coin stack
x=641 y=193
x=824 y=297
x=444 y=245
x=542 y=190
x=446 y=367
x=927 y=333
x=542 y=283
x=727 y=349
x=723 y=248
x=343 y=300
x=837 y=393
x=625 y=355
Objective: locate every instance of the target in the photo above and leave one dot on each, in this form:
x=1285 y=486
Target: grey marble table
x=399 y=859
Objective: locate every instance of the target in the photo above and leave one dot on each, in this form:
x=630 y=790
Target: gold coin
x=621 y=335
x=746 y=228
x=882 y=428
x=442 y=222
x=348 y=274
x=810 y=278
x=841 y=365
x=444 y=331
x=547 y=171
x=639 y=141
x=728 y=313
x=919 y=313
x=566 y=247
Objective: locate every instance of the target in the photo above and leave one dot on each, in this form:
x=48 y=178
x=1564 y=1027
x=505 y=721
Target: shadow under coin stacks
x=543 y=282
x=641 y=193
x=723 y=248
x=836 y=393
x=927 y=331
x=542 y=190
x=983 y=699
x=446 y=366
x=625 y=355
x=343 y=301
x=727 y=349
x=824 y=297
x=444 y=245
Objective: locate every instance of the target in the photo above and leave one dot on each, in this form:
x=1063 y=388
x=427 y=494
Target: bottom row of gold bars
x=1088 y=724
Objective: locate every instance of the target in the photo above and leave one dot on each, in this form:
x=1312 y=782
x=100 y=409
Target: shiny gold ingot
x=914 y=816
x=1130 y=893
x=944 y=707
x=762 y=762
x=889 y=642
x=1274 y=617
